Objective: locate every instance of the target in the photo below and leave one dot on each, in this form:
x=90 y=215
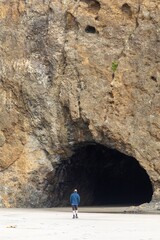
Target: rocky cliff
x=72 y=72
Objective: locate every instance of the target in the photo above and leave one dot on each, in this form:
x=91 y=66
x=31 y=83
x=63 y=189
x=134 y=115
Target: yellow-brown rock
x=75 y=71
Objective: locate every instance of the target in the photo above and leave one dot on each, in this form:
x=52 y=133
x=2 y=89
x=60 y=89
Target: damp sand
x=47 y=224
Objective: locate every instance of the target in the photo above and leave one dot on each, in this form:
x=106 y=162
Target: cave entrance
x=104 y=176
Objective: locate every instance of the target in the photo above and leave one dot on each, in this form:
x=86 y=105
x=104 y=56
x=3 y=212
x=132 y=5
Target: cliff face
x=72 y=72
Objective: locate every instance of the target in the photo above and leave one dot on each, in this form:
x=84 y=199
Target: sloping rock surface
x=75 y=71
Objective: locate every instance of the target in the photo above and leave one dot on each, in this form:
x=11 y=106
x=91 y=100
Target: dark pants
x=74 y=207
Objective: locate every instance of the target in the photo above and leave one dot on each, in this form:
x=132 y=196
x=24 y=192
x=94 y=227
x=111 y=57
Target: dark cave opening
x=126 y=9
x=103 y=176
x=90 y=29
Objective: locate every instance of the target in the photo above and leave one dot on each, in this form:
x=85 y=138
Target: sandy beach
x=47 y=224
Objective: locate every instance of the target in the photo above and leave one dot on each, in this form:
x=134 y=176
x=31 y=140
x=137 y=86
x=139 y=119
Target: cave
x=126 y=9
x=90 y=29
x=93 y=6
x=103 y=177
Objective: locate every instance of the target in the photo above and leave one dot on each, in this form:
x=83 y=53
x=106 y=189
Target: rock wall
x=75 y=71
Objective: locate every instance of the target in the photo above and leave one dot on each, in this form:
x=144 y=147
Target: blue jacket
x=75 y=199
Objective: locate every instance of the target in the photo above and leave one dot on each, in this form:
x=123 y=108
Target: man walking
x=74 y=201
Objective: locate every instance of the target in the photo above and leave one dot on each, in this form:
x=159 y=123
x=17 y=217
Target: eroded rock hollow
x=80 y=102
x=103 y=176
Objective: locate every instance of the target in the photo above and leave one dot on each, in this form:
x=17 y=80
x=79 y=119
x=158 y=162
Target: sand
x=47 y=224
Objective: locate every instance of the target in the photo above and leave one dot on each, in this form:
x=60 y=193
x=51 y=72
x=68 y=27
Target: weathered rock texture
x=75 y=71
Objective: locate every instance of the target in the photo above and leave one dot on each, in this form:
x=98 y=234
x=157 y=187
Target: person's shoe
x=76 y=216
x=73 y=216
